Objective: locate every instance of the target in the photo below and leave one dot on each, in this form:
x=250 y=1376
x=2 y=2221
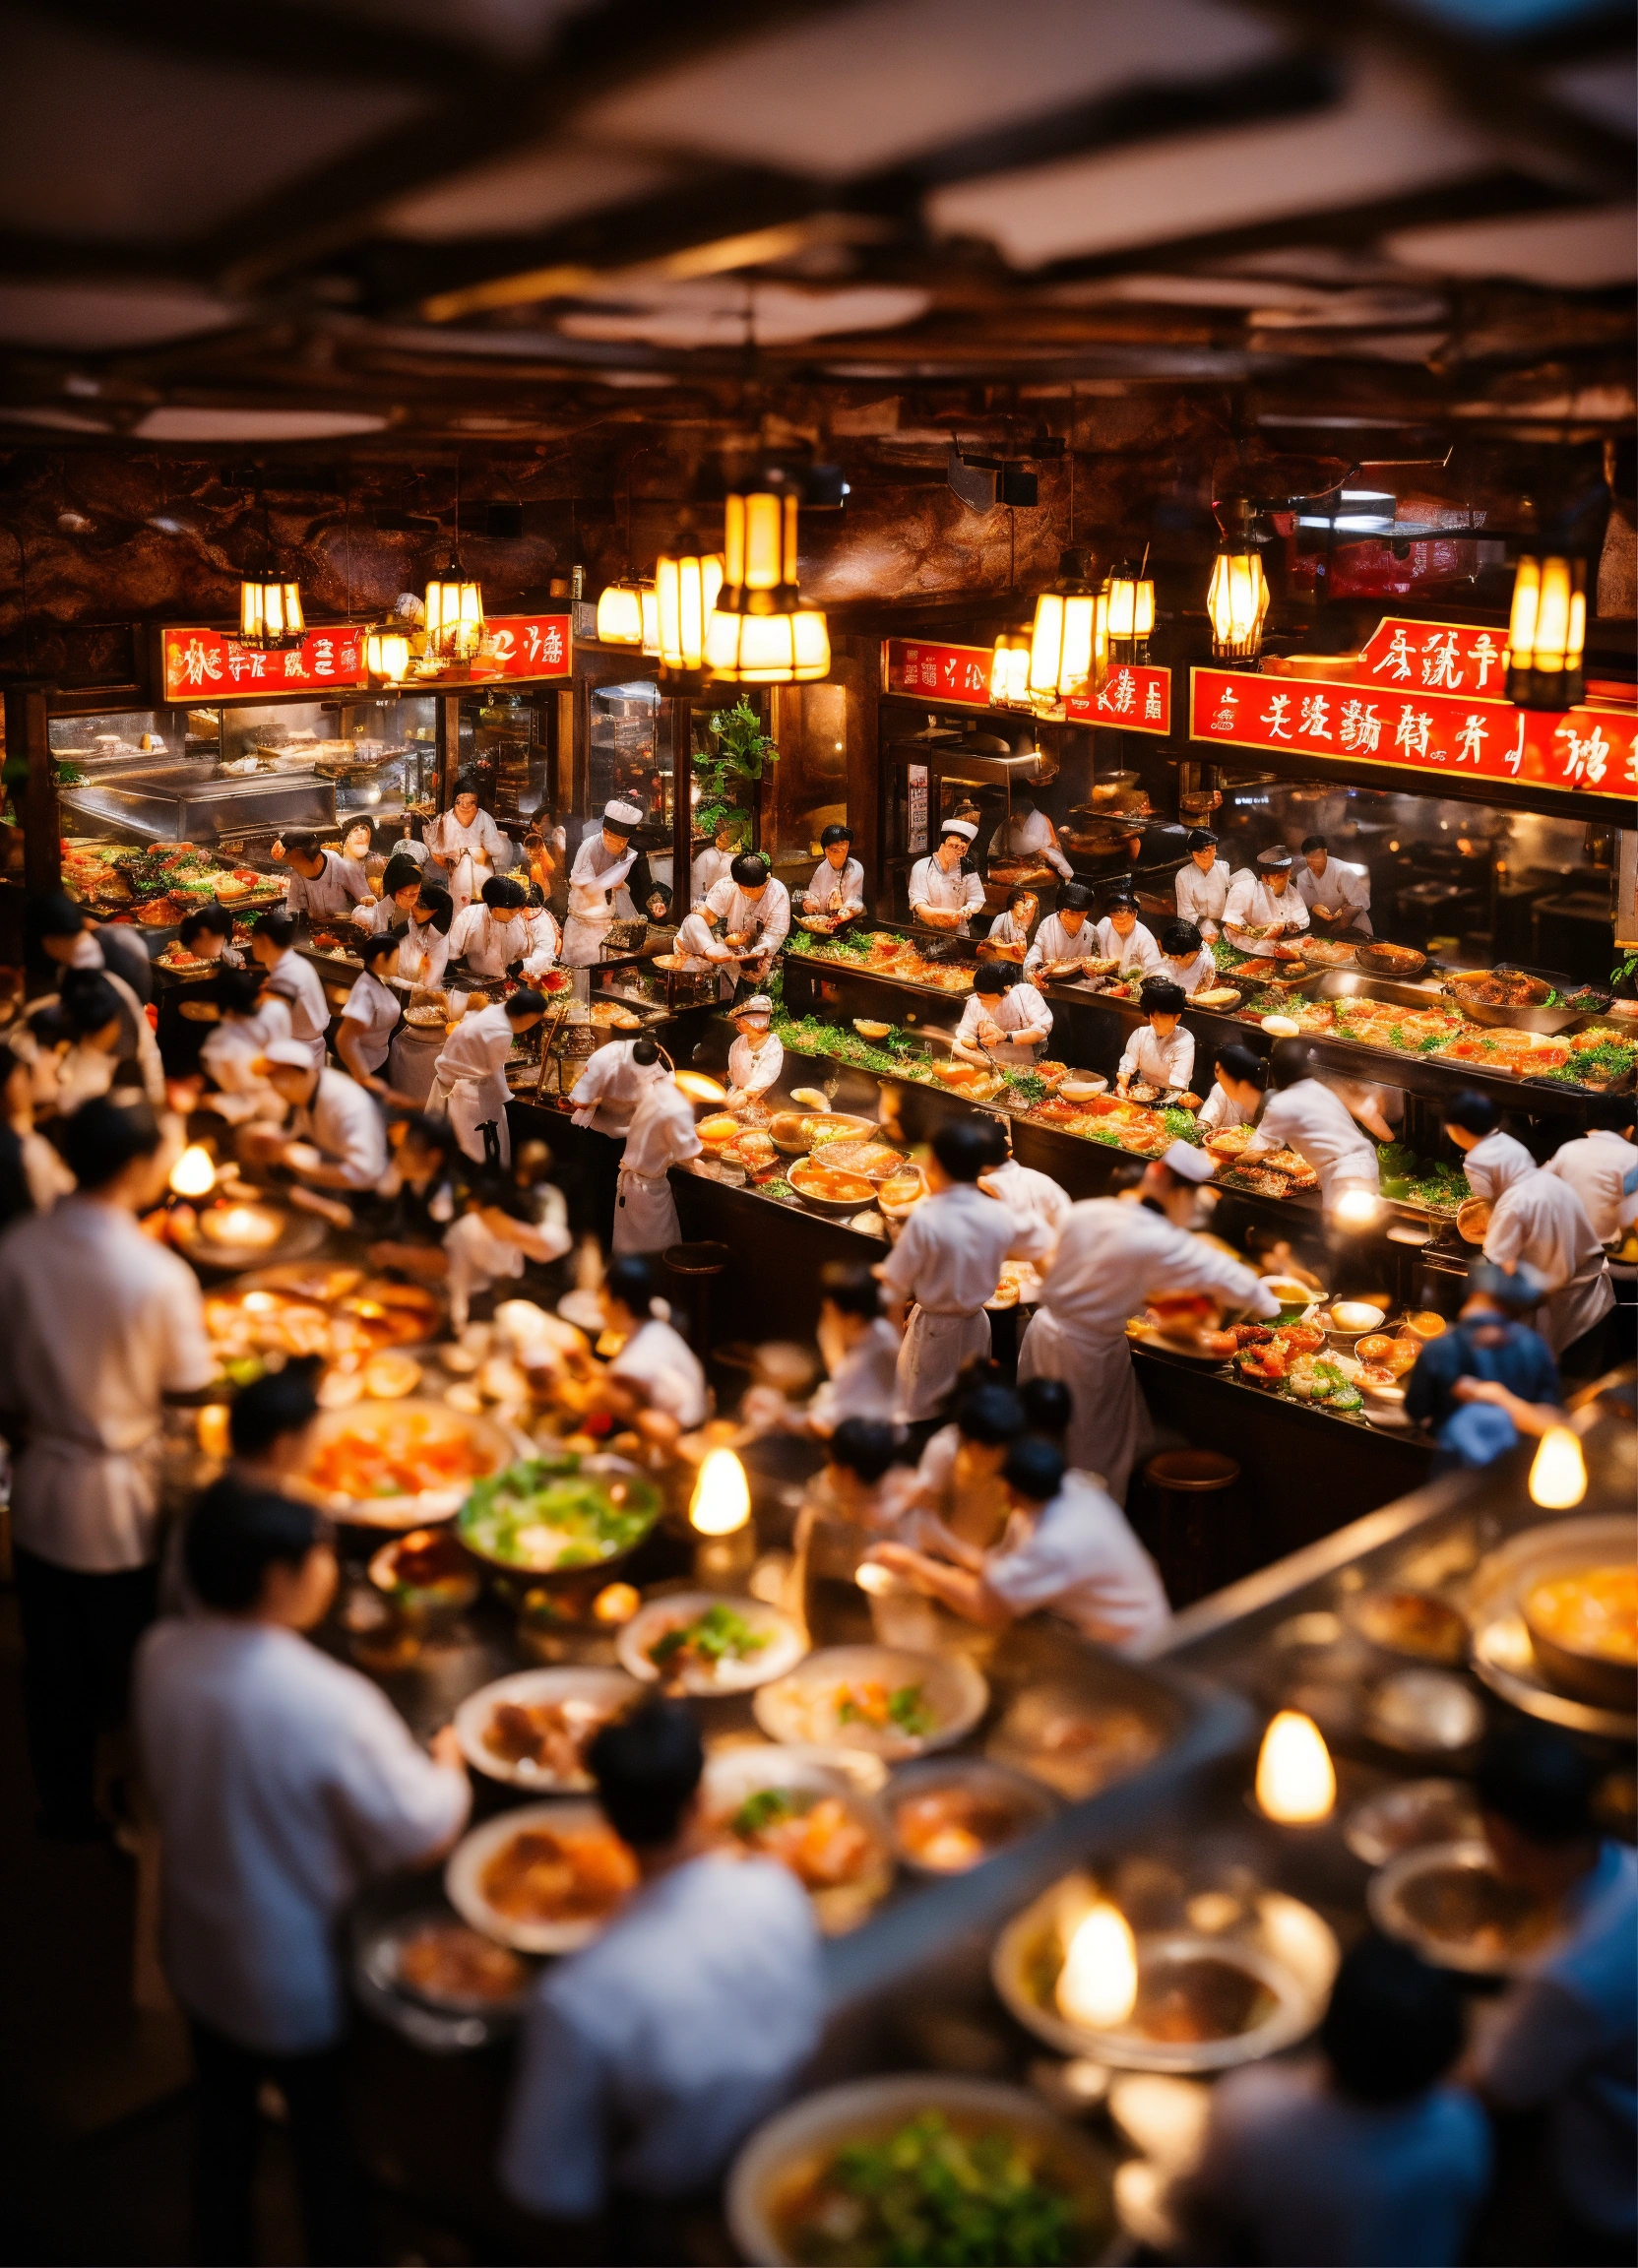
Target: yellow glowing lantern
x=620 y=611
x=1131 y=614
x=387 y=655
x=1009 y=672
x=722 y=1501
x=1546 y=632
x=1098 y=1984
x=760 y=633
x=1069 y=640
x=1238 y=602
x=453 y=614
x=270 y=612
x=686 y=584
x=1297 y=1782
x=194 y=1174
x=1558 y=1472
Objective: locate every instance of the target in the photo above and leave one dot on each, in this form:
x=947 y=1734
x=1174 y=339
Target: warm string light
x=1558 y=1470
x=1098 y=1984
x=1297 y=1781
x=720 y=1503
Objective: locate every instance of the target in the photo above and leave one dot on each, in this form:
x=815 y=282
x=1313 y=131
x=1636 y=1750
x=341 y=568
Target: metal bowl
x=1447 y=1902
x=1506 y=1579
x=1024 y=1803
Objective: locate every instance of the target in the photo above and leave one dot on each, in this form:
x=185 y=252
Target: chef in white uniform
x=1490 y=1159
x=712 y=866
x=838 y=876
x=469 y=1079
x=1069 y=934
x=1336 y=892
x=1005 y=1020
x=861 y=1351
x=757 y=1057
x=1032 y=1196
x=698 y=949
x=1110 y=1257
x=1012 y=928
x=602 y=867
x=1236 y=1094
x=423 y=945
x=1186 y=959
x=332 y=1113
x=251 y=1019
x=1304 y=1116
x=754 y=907
x=1262 y=898
x=661 y=1135
x=365 y=1035
x=465 y=844
x=498 y=931
x=606 y=1092
x=1201 y=886
x=400 y=888
x=947 y=1262
x=941 y=896
x=1537 y=1221
x=1027 y=833
x=1602 y=1167
x=1121 y=936
x=294 y=981
x=322 y=886
x=654 y=1359
x=1160 y=1050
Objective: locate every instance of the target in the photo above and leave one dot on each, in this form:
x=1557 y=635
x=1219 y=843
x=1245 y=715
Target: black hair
x=835 y=832
x=995 y=976
x=1611 y=1113
x=1048 y=1405
x=961 y=1148
x=1240 y=1062
x=401 y=871
x=1074 y=898
x=99 y=1140
x=1179 y=938
x=1022 y=891
x=89 y=1001
x=866 y=1447
x=1200 y=839
x=644 y=1050
x=1288 y=1064
x=1475 y=1114
x=1159 y=996
x=647 y=1766
x=1123 y=902
x=1394 y=2025
x=749 y=871
x=851 y=1288
x=526 y=1001
x=1275 y=857
x=352 y=824
x=1035 y=1468
x=1539 y=1782
x=378 y=942
x=280 y=1402
x=237 y=990
x=50 y=1025
x=498 y=1192
x=466 y=785
x=1126 y=1176
x=236 y=1534
x=279 y=926
x=994 y=1132
x=430 y=1133
x=213 y=917
x=501 y=890
x=1314 y=842
x=302 y=844
x=1023 y=804
x=630 y=1279
x=990 y=1413
x=440 y=904
x=53 y=913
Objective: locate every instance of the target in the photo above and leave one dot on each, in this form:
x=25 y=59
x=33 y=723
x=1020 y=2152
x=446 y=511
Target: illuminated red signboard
x=199 y=664
x=1136 y=699
x=532 y=646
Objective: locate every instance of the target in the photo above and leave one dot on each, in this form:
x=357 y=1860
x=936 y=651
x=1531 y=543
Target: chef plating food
x=464 y=845
x=1238 y=1087
x=1122 y=937
x=755 y=910
x=661 y=1135
x=1027 y=833
x=941 y=896
x=655 y=1366
x=501 y=935
x=1005 y=1020
x=1161 y=1050
x=329 y=1114
x=1304 y=1116
x=323 y=887
x=1068 y=934
x=1201 y=886
x=1537 y=1221
x=838 y=886
x=423 y=945
x=469 y=1079
x=1261 y=906
x=602 y=867
x=1186 y=959
x=757 y=1057
x=1336 y=892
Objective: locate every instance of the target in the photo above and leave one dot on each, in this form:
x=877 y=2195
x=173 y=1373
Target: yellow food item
x=1427 y=1323
x=1595 y=1611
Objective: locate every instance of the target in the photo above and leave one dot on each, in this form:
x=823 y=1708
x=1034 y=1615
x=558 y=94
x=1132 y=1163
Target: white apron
x=469 y=1102
x=645 y=1212
x=931 y=1355
x=1110 y=1428
x=1573 y=1309
x=582 y=937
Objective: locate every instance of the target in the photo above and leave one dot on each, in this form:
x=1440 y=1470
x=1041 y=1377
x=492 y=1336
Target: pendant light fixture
x=1069 y=642
x=686 y=583
x=1009 y=670
x=1237 y=597
x=454 y=604
x=1131 y=611
x=387 y=653
x=1546 y=632
x=761 y=633
x=270 y=619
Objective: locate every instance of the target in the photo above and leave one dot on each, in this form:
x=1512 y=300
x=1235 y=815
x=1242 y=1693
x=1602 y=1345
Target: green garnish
x=545 y=1513
x=1181 y=1125
x=717 y=1635
x=1029 y=1087
x=926 y=2194
x=909 y=1711
x=762 y=1809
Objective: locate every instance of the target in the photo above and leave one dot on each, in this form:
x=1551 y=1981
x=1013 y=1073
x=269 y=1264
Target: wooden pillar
x=449 y=747
x=34 y=793
x=682 y=806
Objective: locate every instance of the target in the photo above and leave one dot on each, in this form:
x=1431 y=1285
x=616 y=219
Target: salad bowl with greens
x=549 y=1515
x=700 y=1642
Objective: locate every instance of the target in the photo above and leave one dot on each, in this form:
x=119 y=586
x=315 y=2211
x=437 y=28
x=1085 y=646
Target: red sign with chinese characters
x=532 y=646
x=1136 y=699
x=1410 y=727
x=1433 y=656
x=198 y=665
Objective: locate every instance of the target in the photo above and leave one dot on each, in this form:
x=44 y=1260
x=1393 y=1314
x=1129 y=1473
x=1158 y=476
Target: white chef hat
x=1184 y=1159
x=625 y=816
x=1274 y=857
x=295 y=1054
x=758 y=1004
x=961 y=827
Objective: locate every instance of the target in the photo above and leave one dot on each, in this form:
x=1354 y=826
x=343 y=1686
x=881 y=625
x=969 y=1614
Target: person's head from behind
x=1240 y=1073
x=206 y=930
x=378 y=952
x=1048 y=1406
x=306 y=855
x=1394 y=2025
x=422 y=1146
x=433 y=909
x=1074 y=904
x=270 y=1421
x=272 y=935
x=647 y=1766
x=525 y=1008
x=1180 y=943
x=58 y=924
x=644 y=1052
x=749 y=873
x=258 y=1555
x=995 y=978
x=1033 y=1472
x=627 y=1291
x=92 y=1008
x=506 y=900
x=1611 y=1115
x=1288 y=1064
x=859 y=1454
x=850 y=1301
x=1535 y=1789
x=293 y=1074
x=1469 y=1118
x=962 y=1151
x=239 y=993
x=989 y=1420
x=113 y=1154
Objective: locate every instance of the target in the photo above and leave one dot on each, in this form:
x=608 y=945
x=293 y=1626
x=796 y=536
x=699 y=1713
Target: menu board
x=1135 y=699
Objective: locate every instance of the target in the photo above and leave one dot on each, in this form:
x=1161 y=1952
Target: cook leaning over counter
x=602 y=867
x=502 y=934
x=1304 y=1116
x=1068 y=934
x=941 y=895
x=837 y=885
x=1336 y=892
x=1027 y=833
x=1261 y=904
x=469 y=1079
x=1005 y=1019
x=322 y=886
x=755 y=910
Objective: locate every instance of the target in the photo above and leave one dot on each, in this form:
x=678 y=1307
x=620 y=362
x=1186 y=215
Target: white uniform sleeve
x=552 y=2153
x=1507 y=1234
x=719 y=897
x=1038 y=1016
x=770 y=1062
x=1183 y=1057
x=545 y=943
x=393 y=1804
x=1240 y=887
x=186 y=1361
x=897 y=1277
x=1293 y=911
x=363 y=1152
x=467 y=924
x=1055 y=858
x=777 y=927
x=966 y=1031
x=971 y=895
x=1126 y=1068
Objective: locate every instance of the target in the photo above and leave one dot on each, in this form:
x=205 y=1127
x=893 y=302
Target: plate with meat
x=543 y=1878
x=699 y=1642
x=449 y=1966
x=533 y=1730
x=1228 y=1141
x=1327 y=951
x=809 y=1815
x=1259 y=1180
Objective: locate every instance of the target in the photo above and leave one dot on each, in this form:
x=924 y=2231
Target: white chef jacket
x=470 y=1079
x=767 y=917
x=1201 y=897
x=283 y=1781
x=447 y=840
x=1309 y=1120
x=661 y=1136
x=1053 y=942
x=136 y=1033
x=477 y=1258
x=753 y=1069
x=956 y=892
x=1031 y=838
x=1599 y=1168
x=1492 y=1165
x=331 y=895
x=375 y=1009
x=1032 y=1195
x=234 y=1046
x=423 y=943
x=101 y=1323
x=659 y=1359
x=706 y=872
x=865 y=1383
x=1342 y=886
x=1251 y=903
x=1219 y=1109
x=1196 y=975
x=1080 y=1558
x=1162 y=1062
x=1139 y=951
x=826 y=881
x=661 y=2046
x=1004 y=930
x=296 y=983
x=342 y=1119
x=607 y=1090
x=695 y=937
x=1019 y=1009
x=490 y=947
x=593 y=879
x=1541 y=1222
x=948 y=1261
x=478 y=1046
x=378 y=919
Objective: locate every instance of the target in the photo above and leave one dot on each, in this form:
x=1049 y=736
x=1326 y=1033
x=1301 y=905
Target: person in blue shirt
x=1491 y=1378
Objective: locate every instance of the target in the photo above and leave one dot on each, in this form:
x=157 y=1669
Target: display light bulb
x=194 y=1174
x=1558 y=1470
x=1237 y=603
x=620 y=614
x=1131 y=614
x=722 y=1500
x=1297 y=1781
x=1069 y=639
x=1355 y=1208
x=270 y=612
x=1547 y=631
x=1098 y=1984
x=686 y=584
x=453 y=615
x=760 y=631
x=387 y=655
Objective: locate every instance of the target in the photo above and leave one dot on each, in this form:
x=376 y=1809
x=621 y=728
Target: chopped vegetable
x=717 y=1635
x=545 y=1513
x=928 y=2194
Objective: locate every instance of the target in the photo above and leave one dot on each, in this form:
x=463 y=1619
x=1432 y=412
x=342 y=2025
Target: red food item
x=1300 y=1338
x=1253 y=1334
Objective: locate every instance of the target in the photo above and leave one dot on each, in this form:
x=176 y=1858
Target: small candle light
x=1558 y=1472
x=1297 y=1782
x=194 y=1174
x=1098 y=1984
x=1355 y=1208
x=210 y=1427
x=722 y=1500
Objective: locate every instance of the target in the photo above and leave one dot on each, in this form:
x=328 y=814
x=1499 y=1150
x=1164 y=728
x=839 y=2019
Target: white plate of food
x=810 y=1815
x=699 y=1642
x=884 y=1698
x=543 y=1878
x=533 y=1730
x=953 y=1812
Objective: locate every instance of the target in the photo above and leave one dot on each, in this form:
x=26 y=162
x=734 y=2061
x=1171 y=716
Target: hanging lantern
x=685 y=584
x=1546 y=632
x=453 y=614
x=1009 y=672
x=620 y=612
x=270 y=612
x=387 y=655
x=760 y=632
x=1069 y=643
x=1237 y=599
x=1131 y=614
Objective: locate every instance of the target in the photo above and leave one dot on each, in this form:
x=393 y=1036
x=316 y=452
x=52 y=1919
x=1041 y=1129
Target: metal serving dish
x=1548 y=1680
x=1353 y=985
